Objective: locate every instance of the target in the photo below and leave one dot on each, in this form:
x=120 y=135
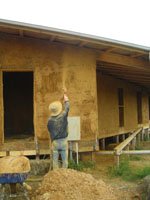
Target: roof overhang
x=120 y=59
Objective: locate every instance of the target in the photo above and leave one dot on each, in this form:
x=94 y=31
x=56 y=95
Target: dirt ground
x=124 y=190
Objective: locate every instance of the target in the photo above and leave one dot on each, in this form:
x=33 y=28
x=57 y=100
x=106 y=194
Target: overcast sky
x=124 y=20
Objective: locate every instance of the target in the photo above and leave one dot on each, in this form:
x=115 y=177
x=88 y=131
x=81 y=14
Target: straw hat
x=55 y=108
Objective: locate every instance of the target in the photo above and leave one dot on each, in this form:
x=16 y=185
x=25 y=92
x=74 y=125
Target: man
x=58 y=129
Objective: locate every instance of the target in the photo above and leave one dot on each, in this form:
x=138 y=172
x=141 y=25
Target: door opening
x=18 y=104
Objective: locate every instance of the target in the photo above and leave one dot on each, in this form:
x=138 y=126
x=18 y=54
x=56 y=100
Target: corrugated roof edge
x=72 y=33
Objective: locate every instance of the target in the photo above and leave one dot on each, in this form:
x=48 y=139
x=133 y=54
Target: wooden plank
x=136 y=55
x=136 y=152
x=21 y=33
x=41 y=152
x=128 y=72
x=109 y=66
x=131 y=152
x=110 y=49
x=135 y=77
x=124 y=60
x=122 y=145
x=102 y=152
x=25 y=152
x=146 y=83
x=52 y=38
x=81 y=44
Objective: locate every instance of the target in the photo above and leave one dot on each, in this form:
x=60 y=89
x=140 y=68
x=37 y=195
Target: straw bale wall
x=108 y=110
x=53 y=66
x=56 y=65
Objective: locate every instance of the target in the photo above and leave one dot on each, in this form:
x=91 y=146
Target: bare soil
x=99 y=184
x=69 y=184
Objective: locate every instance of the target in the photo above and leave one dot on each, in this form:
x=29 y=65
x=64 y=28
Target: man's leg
x=64 y=157
x=55 y=159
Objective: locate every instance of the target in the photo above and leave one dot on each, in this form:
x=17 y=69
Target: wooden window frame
x=121 y=106
x=139 y=108
x=149 y=106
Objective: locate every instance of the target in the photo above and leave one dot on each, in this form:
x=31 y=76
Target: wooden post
x=117 y=139
x=77 y=153
x=92 y=156
x=71 y=149
x=138 y=138
x=123 y=137
x=133 y=143
x=103 y=144
x=142 y=134
x=37 y=148
x=7 y=152
x=128 y=148
x=148 y=135
x=117 y=160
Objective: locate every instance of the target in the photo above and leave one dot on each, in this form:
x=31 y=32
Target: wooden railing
x=123 y=147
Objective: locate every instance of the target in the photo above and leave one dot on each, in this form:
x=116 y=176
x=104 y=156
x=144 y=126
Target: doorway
x=18 y=105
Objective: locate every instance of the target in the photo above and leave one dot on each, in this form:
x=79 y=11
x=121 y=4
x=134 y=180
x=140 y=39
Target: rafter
x=124 y=60
x=52 y=38
x=21 y=33
x=81 y=44
x=110 y=49
x=136 y=55
x=124 y=70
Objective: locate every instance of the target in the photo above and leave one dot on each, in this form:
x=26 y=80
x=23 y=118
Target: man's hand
x=66 y=98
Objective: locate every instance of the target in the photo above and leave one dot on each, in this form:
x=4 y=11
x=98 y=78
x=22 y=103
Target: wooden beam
x=123 y=69
x=21 y=33
x=131 y=152
x=120 y=67
x=81 y=44
x=121 y=146
x=131 y=79
x=136 y=55
x=110 y=49
x=124 y=60
x=25 y=152
x=127 y=73
x=52 y=38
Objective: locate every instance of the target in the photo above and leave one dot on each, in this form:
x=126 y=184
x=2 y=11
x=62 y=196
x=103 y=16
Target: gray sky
x=124 y=20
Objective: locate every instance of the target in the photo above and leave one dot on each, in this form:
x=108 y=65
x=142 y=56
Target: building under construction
x=108 y=85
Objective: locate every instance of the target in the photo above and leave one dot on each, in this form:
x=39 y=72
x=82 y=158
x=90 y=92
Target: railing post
x=103 y=144
x=117 y=139
x=117 y=160
x=123 y=137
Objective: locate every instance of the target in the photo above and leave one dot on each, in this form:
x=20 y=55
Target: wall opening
x=18 y=104
x=139 y=107
x=149 y=106
x=121 y=106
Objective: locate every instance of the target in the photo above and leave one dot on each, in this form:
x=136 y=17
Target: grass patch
x=138 y=147
x=141 y=173
x=127 y=173
x=122 y=171
x=135 y=157
x=81 y=166
x=146 y=138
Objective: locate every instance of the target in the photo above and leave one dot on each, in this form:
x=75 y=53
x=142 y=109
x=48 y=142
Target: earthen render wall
x=108 y=110
x=53 y=65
